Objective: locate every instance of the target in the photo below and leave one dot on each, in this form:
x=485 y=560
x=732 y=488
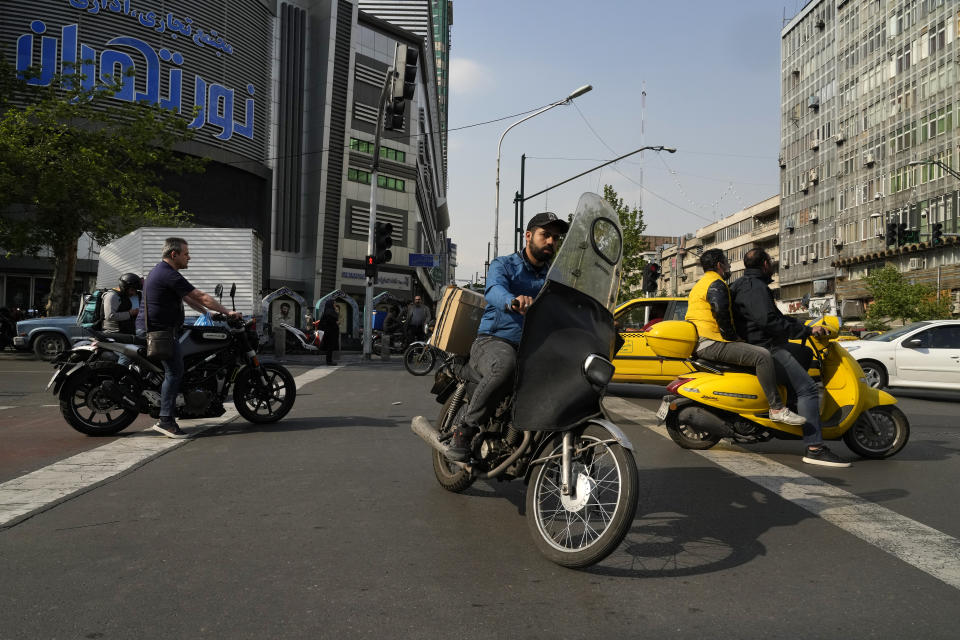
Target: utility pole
x=398 y=89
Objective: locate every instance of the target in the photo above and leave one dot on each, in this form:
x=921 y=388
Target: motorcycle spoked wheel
x=451 y=476
x=687 y=436
x=419 y=359
x=87 y=407
x=580 y=530
x=262 y=404
x=888 y=437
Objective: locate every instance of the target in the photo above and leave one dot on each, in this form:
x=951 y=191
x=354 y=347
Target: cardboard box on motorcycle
x=458 y=316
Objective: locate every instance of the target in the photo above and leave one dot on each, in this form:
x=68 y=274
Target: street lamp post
x=939 y=163
x=496 y=211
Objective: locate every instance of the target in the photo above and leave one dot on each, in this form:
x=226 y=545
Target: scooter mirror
x=218 y=291
x=233 y=293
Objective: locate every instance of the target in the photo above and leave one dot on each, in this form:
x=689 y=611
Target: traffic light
x=937 y=235
x=370 y=267
x=650 y=275
x=891 y=237
x=404 y=85
x=382 y=242
x=901 y=234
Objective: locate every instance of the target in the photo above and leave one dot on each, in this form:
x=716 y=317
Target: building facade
x=212 y=57
x=287 y=97
x=868 y=138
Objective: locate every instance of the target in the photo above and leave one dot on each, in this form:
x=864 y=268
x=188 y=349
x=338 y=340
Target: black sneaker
x=459 y=449
x=824 y=457
x=170 y=428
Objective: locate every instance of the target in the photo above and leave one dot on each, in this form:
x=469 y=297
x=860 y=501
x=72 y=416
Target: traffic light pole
x=368 y=299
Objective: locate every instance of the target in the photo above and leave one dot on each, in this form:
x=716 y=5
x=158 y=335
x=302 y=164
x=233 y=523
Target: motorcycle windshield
x=570 y=319
x=589 y=258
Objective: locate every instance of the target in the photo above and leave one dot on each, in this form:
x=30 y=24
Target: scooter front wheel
x=881 y=435
x=688 y=436
x=585 y=526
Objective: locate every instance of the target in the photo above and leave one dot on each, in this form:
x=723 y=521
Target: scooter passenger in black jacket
x=760 y=322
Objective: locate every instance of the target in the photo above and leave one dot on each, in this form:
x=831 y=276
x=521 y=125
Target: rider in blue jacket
x=518 y=276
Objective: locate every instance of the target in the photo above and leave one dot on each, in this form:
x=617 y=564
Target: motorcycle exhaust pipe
x=703 y=420
x=422 y=427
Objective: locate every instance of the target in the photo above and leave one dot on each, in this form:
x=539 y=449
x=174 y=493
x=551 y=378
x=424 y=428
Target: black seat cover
x=562 y=327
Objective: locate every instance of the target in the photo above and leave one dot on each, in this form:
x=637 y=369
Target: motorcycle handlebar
x=232 y=322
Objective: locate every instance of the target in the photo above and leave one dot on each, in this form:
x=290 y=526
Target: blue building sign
x=151 y=53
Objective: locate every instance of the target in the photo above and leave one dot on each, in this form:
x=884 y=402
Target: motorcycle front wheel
x=264 y=402
x=419 y=359
x=88 y=408
x=583 y=528
x=881 y=437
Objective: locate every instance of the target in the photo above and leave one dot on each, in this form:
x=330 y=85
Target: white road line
x=11 y=407
x=40 y=490
x=923 y=547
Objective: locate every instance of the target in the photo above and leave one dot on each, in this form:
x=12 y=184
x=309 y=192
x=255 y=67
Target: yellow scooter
x=719 y=400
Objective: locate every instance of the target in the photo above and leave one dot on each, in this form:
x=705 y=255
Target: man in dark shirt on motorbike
x=760 y=322
x=164 y=292
x=515 y=277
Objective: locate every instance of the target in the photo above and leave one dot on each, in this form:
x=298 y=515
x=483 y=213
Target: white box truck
x=217 y=256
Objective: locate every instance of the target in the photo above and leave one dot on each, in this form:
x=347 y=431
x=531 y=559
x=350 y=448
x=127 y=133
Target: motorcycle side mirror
x=233 y=293
x=218 y=291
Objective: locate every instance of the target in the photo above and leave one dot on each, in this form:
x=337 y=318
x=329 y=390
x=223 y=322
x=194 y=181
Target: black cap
x=547 y=218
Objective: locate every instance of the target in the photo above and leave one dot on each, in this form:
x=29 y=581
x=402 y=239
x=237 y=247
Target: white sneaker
x=786 y=416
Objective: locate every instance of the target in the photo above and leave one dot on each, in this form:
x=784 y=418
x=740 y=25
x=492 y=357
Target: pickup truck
x=48 y=336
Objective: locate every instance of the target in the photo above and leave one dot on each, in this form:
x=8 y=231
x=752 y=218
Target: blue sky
x=712 y=77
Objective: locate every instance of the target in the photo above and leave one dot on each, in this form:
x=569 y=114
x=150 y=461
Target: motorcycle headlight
x=598 y=370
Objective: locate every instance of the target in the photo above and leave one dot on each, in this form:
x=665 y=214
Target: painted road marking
x=40 y=490
x=923 y=547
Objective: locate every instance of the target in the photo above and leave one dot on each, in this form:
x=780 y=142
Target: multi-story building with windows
x=286 y=95
x=432 y=21
x=868 y=126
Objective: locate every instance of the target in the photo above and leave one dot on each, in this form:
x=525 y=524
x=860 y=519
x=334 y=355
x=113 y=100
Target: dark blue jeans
x=800 y=383
x=172 y=375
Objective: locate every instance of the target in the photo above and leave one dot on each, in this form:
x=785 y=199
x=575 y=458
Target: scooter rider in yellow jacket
x=710 y=309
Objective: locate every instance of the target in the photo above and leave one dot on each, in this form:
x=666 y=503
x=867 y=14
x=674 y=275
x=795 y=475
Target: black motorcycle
x=100 y=397
x=552 y=431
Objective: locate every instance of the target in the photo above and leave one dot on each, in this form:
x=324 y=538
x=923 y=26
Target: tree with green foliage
x=74 y=162
x=633 y=226
x=896 y=298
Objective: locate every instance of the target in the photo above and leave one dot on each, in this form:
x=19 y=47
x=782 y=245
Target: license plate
x=663 y=410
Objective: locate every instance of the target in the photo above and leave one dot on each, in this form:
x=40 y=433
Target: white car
x=921 y=354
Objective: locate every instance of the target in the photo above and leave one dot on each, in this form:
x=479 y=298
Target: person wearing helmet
x=119 y=312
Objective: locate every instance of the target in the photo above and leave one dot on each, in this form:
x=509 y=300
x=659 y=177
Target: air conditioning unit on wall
x=917 y=263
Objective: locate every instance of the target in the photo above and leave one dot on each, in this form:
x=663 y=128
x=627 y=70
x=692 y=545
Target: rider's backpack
x=91 y=313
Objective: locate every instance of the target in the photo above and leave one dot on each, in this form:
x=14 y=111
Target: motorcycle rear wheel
x=581 y=530
x=451 y=476
x=262 y=405
x=890 y=436
x=687 y=436
x=86 y=407
x=419 y=359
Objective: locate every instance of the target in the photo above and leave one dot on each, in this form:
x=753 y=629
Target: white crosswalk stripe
x=923 y=547
x=40 y=490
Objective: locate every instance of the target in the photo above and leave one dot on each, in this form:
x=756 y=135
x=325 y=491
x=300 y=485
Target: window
x=384 y=182
x=364 y=146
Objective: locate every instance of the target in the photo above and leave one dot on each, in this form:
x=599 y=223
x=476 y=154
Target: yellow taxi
x=636 y=362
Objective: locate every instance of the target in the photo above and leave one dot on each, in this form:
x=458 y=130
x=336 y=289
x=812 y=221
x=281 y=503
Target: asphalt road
x=330 y=524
